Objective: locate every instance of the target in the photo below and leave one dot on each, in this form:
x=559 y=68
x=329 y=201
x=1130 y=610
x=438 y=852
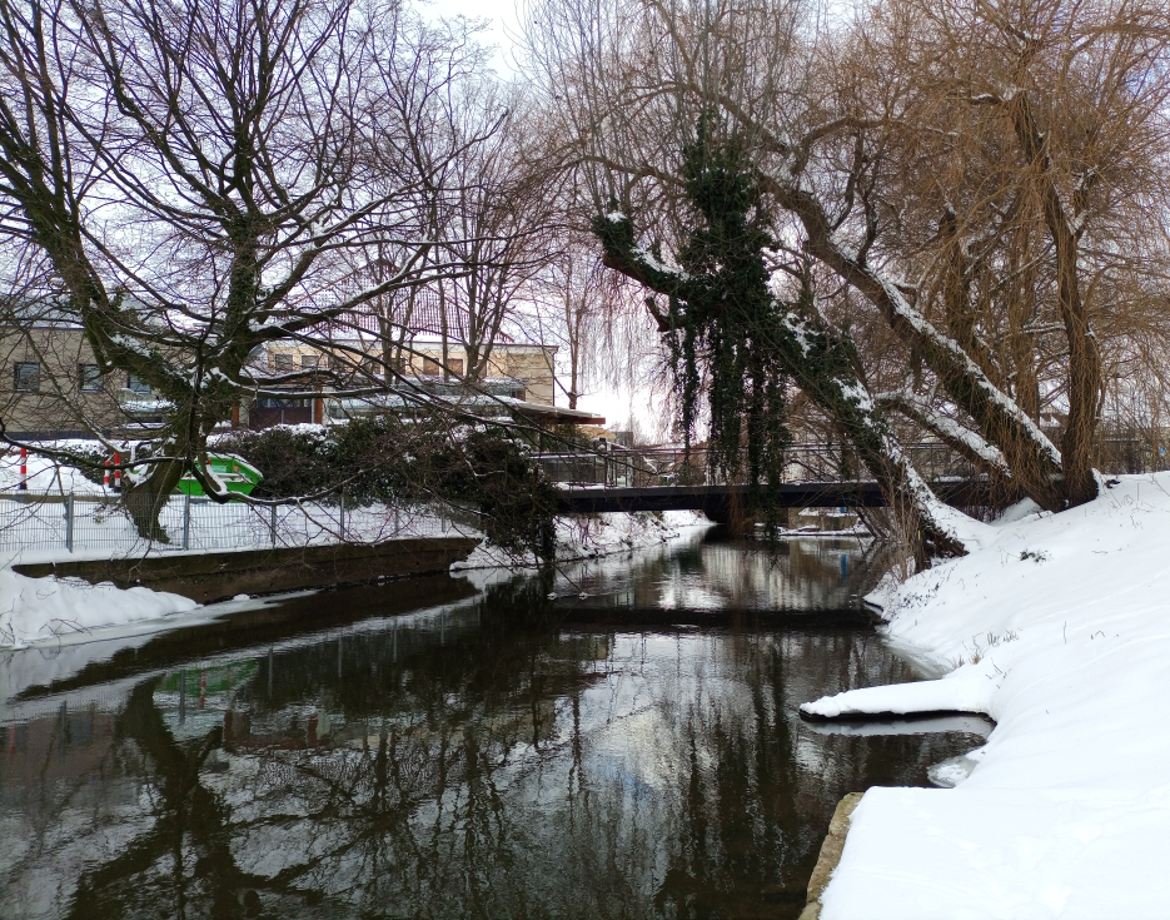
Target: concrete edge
x=209 y=577
x=830 y=855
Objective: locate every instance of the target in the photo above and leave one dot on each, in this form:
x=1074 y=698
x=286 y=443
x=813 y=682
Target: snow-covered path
x=1058 y=627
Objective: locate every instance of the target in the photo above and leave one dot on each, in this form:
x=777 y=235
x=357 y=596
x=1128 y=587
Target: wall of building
x=59 y=405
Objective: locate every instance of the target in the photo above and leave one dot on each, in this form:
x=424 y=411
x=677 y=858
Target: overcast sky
x=501 y=16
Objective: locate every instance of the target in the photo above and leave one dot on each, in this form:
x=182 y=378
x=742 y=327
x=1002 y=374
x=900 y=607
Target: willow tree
x=947 y=163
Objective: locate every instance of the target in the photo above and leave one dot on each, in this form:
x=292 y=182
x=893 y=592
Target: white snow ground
x=588 y=537
x=1058 y=627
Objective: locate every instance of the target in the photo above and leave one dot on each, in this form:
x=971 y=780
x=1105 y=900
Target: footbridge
x=815 y=476
x=719 y=502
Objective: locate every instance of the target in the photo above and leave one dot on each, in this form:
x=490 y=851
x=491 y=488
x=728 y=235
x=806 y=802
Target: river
x=442 y=748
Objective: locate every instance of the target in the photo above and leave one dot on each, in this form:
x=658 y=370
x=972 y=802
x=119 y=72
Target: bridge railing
x=669 y=466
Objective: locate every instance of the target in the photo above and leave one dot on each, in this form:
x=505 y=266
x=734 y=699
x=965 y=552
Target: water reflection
x=511 y=757
x=721 y=573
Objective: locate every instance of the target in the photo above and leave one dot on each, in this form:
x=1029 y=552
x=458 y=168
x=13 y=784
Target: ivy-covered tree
x=727 y=326
x=721 y=309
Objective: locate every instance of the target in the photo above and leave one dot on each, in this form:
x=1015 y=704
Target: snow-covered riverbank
x=40 y=610
x=1058 y=627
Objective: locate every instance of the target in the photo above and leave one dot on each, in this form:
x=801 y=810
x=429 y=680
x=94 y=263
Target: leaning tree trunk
x=1034 y=461
x=823 y=363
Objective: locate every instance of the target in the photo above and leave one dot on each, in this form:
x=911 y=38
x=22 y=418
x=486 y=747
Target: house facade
x=513 y=373
x=51 y=387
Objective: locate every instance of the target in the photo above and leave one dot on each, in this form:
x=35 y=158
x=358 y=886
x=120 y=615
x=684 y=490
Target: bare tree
x=196 y=174
x=496 y=228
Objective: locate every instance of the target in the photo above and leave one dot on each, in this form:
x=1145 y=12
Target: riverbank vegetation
x=482 y=473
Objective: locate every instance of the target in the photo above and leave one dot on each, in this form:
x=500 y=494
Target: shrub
x=409 y=461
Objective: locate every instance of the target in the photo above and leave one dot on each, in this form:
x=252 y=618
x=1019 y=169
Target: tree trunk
x=822 y=363
x=1084 y=375
x=145 y=500
x=1034 y=461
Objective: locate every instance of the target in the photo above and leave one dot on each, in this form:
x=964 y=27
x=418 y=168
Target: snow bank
x=34 y=611
x=1058 y=628
x=38 y=609
x=595 y=535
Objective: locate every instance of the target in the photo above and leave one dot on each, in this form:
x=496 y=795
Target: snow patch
x=37 y=610
x=1058 y=627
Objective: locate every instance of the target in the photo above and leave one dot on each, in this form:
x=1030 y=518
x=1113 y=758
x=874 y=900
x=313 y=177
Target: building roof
x=554 y=414
x=39 y=313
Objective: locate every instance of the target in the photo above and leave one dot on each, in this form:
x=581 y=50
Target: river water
x=436 y=748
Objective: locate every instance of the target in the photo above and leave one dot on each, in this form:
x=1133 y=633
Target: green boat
x=236 y=473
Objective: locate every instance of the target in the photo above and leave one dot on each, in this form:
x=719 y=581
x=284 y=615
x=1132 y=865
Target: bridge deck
x=717 y=501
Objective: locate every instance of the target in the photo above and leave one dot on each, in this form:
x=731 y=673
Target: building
x=365 y=364
x=51 y=385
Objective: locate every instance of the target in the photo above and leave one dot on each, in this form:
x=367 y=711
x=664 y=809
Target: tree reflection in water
x=512 y=759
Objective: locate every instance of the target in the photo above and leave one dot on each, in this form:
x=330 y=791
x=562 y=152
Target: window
x=430 y=366
x=89 y=378
x=310 y=362
x=275 y=402
x=282 y=362
x=27 y=376
x=136 y=384
x=455 y=365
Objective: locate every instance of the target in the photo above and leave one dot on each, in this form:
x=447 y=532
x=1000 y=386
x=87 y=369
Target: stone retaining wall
x=830 y=855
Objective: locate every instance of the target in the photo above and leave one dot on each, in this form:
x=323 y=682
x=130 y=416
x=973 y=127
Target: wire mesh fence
x=82 y=523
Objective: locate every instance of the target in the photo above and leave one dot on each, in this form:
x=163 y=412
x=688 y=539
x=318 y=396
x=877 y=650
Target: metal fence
x=98 y=522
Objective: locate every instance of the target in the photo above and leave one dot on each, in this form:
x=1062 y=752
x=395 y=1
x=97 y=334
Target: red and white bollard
x=106 y=473
x=117 y=472
x=23 y=487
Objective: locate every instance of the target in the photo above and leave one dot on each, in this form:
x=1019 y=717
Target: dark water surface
x=635 y=753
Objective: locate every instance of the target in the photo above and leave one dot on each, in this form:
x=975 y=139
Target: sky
x=501 y=16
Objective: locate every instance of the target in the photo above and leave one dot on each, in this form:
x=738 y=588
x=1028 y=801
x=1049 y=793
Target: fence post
x=341 y=517
x=69 y=522
x=272 y=522
x=186 y=521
